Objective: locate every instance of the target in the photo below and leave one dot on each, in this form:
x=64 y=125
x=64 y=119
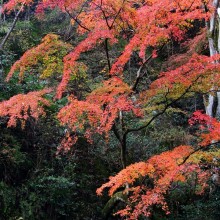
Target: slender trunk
x=123 y=155
x=107 y=54
x=123 y=142
x=0 y=12
x=212 y=49
x=209 y=105
x=218 y=106
x=218 y=93
x=2 y=44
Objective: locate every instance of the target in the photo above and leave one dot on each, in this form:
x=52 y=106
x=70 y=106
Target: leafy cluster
x=48 y=54
x=125 y=102
x=23 y=106
x=106 y=101
x=156 y=177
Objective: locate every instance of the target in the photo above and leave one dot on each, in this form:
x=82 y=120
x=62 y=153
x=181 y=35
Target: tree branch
x=122 y=146
x=198 y=149
x=160 y=113
x=11 y=28
x=139 y=76
x=76 y=20
x=107 y=54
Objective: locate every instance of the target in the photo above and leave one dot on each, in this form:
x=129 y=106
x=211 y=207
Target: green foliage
x=203 y=208
x=48 y=197
x=206 y=207
x=12 y=159
x=7 y=201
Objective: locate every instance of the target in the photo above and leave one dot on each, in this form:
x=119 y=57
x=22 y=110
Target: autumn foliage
x=209 y=127
x=108 y=19
x=144 y=27
x=199 y=75
x=100 y=109
x=49 y=54
x=23 y=106
x=161 y=172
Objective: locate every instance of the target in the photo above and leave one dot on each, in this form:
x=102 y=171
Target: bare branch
x=198 y=149
x=11 y=28
x=160 y=113
x=139 y=76
x=75 y=18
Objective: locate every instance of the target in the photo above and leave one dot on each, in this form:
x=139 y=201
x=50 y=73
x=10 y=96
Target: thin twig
x=11 y=28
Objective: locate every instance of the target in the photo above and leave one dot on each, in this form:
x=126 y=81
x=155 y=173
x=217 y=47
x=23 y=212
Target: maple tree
x=146 y=27
x=49 y=54
x=23 y=106
x=163 y=170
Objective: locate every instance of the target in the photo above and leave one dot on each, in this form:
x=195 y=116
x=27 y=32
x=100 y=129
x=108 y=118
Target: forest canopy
x=112 y=105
